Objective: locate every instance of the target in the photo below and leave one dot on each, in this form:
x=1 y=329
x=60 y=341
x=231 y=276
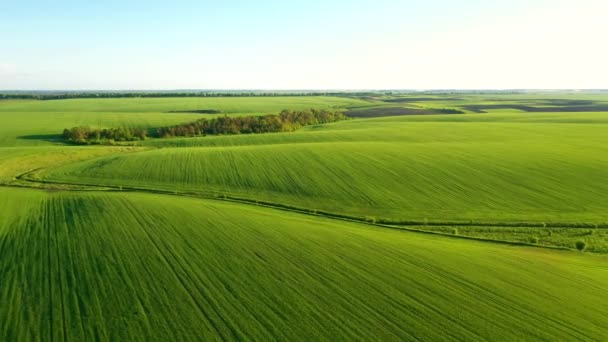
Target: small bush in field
x=454 y=231
x=534 y=240
x=581 y=245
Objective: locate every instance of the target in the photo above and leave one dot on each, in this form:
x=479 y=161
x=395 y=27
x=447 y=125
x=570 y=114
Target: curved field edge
x=141 y=266
x=17 y=161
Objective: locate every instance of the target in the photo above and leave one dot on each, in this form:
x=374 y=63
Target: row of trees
x=87 y=135
x=286 y=121
x=89 y=95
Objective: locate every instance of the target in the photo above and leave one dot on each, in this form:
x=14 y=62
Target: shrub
x=534 y=240
x=581 y=245
x=550 y=233
x=454 y=231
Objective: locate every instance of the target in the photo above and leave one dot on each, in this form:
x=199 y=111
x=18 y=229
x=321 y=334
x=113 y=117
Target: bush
x=550 y=233
x=454 y=231
x=534 y=240
x=86 y=135
x=581 y=245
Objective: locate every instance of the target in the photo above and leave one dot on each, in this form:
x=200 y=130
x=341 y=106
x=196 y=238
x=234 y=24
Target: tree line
x=94 y=95
x=285 y=121
x=87 y=135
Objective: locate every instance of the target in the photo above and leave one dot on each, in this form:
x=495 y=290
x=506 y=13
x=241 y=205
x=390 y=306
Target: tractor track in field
x=49 y=275
x=27 y=182
x=177 y=275
x=61 y=290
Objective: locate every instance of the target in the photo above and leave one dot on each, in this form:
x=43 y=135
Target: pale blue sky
x=303 y=44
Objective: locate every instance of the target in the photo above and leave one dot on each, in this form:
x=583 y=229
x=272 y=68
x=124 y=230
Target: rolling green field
x=140 y=267
x=500 y=171
x=386 y=226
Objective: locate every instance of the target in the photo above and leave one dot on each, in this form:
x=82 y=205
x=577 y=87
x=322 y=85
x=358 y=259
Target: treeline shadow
x=53 y=138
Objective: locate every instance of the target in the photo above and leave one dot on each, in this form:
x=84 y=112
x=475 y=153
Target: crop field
x=421 y=217
x=230 y=105
x=480 y=171
x=136 y=266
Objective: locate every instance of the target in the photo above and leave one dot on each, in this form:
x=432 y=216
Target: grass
x=139 y=267
x=500 y=171
x=596 y=240
x=126 y=265
x=44 y=129
x=31 y=122
x=230 y=105
x=15 y=161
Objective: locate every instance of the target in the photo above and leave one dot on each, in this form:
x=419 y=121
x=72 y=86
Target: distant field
x=230 y=105
x=308 y=235
x=44 y=128
x=488 y=103
x=30 y=122
x=133 y=266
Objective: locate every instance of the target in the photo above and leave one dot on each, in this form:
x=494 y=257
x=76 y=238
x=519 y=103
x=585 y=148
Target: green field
x=135 y=266
x=231 y=105
x=386 y=226
x=481 y=171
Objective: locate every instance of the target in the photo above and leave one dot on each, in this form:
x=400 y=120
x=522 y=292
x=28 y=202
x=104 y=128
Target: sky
x=312 y=44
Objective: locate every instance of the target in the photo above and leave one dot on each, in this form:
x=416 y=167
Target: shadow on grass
x=54 y=138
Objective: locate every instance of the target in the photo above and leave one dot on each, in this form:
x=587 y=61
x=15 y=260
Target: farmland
x=386 y=168
x=385 y=226
x=136 y=266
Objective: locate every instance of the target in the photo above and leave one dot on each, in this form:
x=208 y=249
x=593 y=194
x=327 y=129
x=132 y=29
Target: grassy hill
x=490 y=171
x=92 y=265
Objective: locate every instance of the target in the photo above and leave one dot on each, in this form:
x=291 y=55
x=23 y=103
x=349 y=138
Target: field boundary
x=25 y=177
x=379 y=223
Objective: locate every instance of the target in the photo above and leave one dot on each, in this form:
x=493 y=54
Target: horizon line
x=298 y=89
